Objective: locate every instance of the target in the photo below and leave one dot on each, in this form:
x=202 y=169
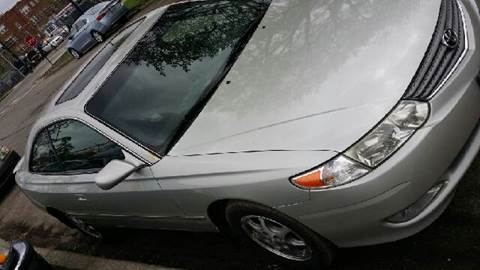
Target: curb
x=77 y=261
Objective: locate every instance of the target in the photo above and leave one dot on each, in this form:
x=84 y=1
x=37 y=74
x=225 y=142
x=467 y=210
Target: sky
x=6 y=5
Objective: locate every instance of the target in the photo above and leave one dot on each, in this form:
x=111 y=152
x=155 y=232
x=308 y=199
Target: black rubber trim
x=439 y=59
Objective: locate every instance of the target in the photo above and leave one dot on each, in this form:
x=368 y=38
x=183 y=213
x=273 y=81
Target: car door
x=82 y=37
x=68 y=154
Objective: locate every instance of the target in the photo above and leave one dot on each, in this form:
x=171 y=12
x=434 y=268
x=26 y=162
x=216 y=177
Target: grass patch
x=5 y=94
x=131 y=4
x=60 y=63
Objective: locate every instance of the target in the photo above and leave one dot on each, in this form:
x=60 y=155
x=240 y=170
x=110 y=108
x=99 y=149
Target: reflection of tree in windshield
x=192 y=31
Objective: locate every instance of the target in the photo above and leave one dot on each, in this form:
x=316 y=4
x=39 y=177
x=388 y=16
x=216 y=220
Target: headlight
x=386 y=138
x=4 y=251
x=3 y=152
x=391 y=134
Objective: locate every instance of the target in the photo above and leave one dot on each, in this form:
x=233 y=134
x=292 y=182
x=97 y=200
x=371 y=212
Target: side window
x=71 y=147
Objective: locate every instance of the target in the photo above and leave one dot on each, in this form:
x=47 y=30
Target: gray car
x=92 y=27
x=298 y=126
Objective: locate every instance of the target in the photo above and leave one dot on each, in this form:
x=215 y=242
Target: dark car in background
x=34 y=57
x=8 y=160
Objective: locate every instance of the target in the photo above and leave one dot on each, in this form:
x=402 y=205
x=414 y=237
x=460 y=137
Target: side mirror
x=114 y=173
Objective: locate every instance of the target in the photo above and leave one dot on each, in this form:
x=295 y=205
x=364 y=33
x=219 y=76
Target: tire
x=97 y=36
x=300 y=247
x=74 y=53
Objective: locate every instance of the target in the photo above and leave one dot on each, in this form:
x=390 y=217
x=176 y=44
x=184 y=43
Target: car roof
x=97 y=8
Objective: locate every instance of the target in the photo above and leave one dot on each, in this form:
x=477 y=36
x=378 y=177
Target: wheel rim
x=97 y=37
x=75 y=54
x=276 y=238
x=85 y=228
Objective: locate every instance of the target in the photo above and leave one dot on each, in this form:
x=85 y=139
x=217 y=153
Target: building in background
x=27 y=19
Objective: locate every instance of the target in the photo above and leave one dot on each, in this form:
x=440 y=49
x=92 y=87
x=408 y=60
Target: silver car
x=92 y=27
x=298 y=126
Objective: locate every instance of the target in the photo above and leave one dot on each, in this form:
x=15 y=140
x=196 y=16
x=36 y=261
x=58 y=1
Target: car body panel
x=195 y=182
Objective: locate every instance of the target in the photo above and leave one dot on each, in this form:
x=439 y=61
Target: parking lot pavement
x=452 y=242
x=70 y=260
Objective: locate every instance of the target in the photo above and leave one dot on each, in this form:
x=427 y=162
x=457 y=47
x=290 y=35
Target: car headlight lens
x=391 y=134
x=386 y=138
x=4 y=152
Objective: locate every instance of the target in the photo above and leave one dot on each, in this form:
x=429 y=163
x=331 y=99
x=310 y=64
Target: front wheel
x=74 y=53
x=97 y=36
x=279 y=236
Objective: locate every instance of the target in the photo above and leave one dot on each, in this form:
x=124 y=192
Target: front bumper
x=355 y=214
x=442 y=151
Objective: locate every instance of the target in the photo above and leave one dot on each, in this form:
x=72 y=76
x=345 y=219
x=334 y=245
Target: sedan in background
x=93 y=26
x=295 y=126
x=56 y=41
x=8 y=161
x=46 y=46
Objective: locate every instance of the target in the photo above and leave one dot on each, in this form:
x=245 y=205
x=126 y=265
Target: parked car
x=93 y=26
x=34 y=57
x=298 y=126
x=8 y=161
x=22 y=65
x=19 y=255
x=47 y=47
x=56 y=41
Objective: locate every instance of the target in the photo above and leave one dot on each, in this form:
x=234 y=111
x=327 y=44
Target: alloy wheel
x=98 y=37
x=276 y=238
x=75 y=54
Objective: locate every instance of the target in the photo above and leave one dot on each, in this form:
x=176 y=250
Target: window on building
x=9 y=41
x=34 y=19
x=32 y=4
x=25 y=10
x=3 y=29
x=18 y=25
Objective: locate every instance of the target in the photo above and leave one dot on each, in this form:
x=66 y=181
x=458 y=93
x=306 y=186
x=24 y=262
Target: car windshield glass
x=96 y=64
x=77 y=26
x=165 y=81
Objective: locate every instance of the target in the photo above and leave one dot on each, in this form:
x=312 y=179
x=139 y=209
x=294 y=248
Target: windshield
x=165 y=81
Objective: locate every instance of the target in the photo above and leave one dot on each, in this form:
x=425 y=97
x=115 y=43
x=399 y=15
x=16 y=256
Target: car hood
x=316 y=75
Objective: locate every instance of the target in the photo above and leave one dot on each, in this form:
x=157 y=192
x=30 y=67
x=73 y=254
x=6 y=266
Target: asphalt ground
x=452 y=242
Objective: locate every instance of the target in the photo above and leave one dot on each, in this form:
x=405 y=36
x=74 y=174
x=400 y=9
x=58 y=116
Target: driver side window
x=71 y=147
